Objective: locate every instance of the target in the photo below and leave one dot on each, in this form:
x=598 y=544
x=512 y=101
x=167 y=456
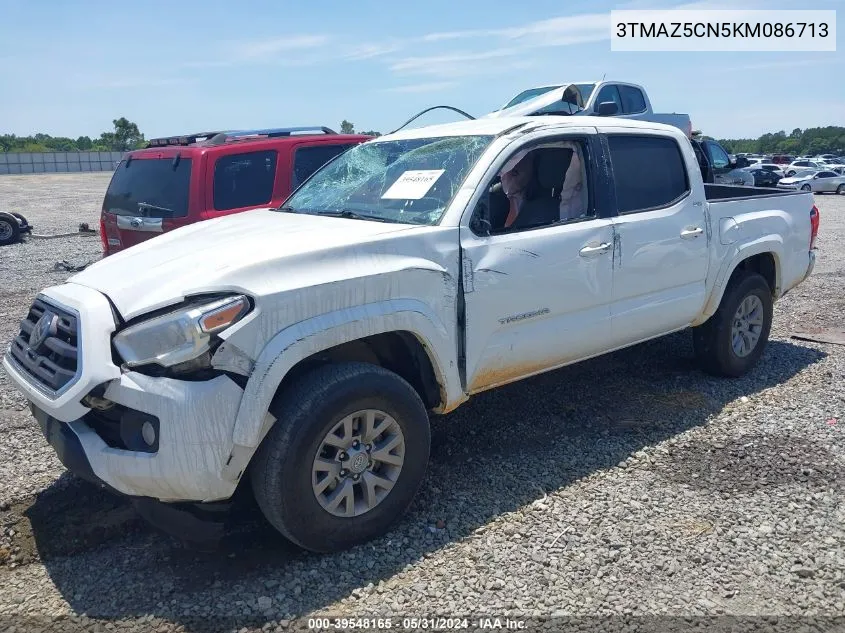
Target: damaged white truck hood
x=228 y=253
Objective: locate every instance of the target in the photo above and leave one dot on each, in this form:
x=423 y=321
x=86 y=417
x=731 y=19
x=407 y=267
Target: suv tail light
x=103 y=238
x=814 y=226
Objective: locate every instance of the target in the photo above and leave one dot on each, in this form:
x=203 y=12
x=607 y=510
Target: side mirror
x=740 y=162
x=608 y=108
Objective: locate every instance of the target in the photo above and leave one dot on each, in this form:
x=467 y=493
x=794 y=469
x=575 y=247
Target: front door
x=661 y=254
x=538 y=297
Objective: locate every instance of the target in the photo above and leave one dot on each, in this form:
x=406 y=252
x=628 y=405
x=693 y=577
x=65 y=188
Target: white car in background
x=824 y=181
x=773 y=167
x=796 y=166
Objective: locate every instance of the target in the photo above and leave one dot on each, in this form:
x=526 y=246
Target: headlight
x=180 y=336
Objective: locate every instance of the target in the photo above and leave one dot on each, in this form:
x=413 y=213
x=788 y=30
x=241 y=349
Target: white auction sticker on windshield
x=413 y=185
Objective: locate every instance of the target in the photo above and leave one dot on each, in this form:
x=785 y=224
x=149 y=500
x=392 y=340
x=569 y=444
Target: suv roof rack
x=216 y=138
x=239 y=135
x=182 y=139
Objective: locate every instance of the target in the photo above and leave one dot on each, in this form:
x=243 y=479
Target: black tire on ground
x=840 y=189
x=712 y=339
x=806 y=188
x=10 y=230
x=307 y=410
x=25 y=227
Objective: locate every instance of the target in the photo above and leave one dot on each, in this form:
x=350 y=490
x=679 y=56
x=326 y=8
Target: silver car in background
x=824 y=181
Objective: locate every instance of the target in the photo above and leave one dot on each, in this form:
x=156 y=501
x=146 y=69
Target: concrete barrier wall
x=57 y=162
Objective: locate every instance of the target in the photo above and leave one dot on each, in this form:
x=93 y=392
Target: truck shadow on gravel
x=503 y=450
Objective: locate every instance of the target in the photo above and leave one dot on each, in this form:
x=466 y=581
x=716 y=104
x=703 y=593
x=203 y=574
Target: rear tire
x=840 y=190
x=287 y=481
x=723 y=343
x=10 y=229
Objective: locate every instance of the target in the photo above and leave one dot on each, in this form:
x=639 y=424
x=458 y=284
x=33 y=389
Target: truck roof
x=497 y=126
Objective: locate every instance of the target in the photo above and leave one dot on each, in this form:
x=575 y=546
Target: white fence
x=58 y=162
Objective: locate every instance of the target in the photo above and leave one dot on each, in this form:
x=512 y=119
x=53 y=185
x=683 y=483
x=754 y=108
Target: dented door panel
x=534 y=301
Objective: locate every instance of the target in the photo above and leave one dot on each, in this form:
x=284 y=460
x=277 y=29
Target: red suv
x=181 y=180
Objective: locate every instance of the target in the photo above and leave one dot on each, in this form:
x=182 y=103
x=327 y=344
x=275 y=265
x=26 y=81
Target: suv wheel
x=344 y=459
x=731 y=341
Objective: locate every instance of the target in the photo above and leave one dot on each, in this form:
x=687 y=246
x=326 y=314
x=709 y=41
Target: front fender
x=313 y=335
x=767 y=244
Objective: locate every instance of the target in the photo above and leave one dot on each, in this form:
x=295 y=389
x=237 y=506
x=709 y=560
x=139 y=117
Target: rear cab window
x=640 y=185
x=150 y=187
x=244 y=180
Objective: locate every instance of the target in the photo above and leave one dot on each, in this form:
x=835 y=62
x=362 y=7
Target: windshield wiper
x=352 y=215
x=286 y=209
x=153 y=207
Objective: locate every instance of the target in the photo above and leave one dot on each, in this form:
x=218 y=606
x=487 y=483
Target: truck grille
x=46 y=346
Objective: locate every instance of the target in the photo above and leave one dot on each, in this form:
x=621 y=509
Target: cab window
x=610 y=93
x=244 y=180
x=537 y=187
x=633 y=101
x=307 y=160
x=718 y=157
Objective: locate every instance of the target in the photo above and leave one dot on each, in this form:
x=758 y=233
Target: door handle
x=593 y=251
x=691 y=233
x=133 y=223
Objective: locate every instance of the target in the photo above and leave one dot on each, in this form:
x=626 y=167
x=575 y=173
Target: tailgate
x=147 y=195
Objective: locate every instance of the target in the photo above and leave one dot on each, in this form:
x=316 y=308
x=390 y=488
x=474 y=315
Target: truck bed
x=715 y=193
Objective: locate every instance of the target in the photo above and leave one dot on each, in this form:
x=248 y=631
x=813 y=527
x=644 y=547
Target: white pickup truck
x=299 y=350
x=591 y=98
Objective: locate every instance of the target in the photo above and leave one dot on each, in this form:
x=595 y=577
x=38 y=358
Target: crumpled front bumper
x=190 y=460
x=194 y=439
x=182 y=520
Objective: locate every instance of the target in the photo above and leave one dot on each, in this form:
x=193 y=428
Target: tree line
x=810 y=142
x=347 y=127
x=123 y=137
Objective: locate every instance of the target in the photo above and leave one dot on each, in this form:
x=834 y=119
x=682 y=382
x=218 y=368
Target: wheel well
x=763 y=264
x=399 y=352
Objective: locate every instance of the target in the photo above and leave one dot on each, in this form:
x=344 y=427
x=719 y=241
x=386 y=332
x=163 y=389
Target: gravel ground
x=629 y=485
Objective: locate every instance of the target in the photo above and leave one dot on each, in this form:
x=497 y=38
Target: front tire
x=731 y=341
x=840 y=190
x=344 y=459
x=806 y=188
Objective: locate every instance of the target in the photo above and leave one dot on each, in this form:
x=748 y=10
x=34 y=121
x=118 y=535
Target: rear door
x=826 y=181
x=238 y=181
x=660 y=250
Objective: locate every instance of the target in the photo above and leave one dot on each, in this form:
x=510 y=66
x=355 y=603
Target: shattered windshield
x=409 y=181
